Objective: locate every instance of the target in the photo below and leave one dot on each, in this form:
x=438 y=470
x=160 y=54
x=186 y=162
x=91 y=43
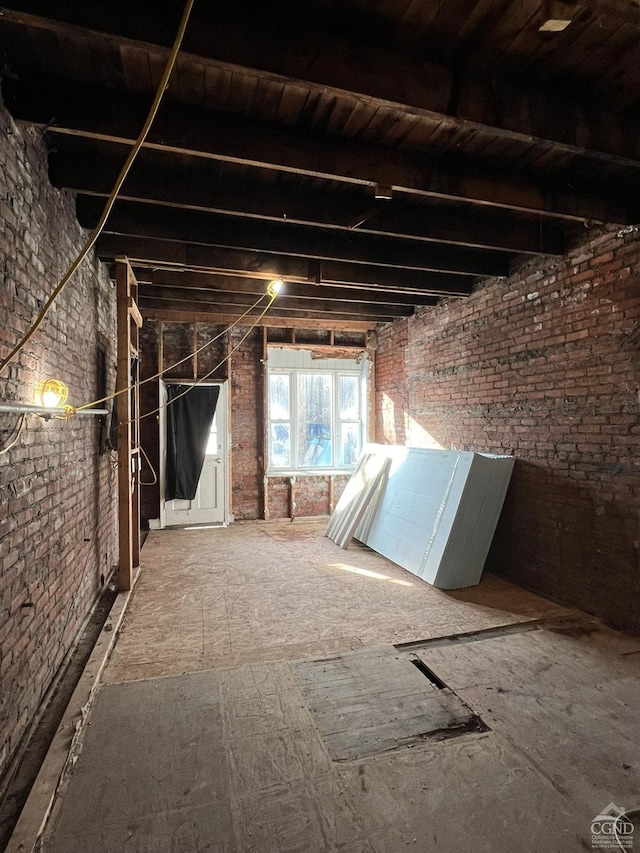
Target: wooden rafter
x=240 y=301
x=103 y=114
x=75 y=168
x=156 y=254
x=220 y=285
x=172 y=314
x=229 y=232
x=307 y=56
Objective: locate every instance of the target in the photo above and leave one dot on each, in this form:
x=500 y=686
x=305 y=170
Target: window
x=315 y=417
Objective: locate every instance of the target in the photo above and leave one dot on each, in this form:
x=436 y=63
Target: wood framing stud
x=128 y=412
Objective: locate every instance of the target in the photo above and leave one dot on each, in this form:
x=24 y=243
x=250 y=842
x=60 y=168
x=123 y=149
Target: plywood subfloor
x=375 y=700
x=235 y=757
x=224 y=596
x=232 y=759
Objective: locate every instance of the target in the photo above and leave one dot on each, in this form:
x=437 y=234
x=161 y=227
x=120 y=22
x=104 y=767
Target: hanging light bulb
x=275 y=287
x=51 y=393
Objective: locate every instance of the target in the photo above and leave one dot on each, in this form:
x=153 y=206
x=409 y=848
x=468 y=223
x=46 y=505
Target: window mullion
x=293 y=379
x=337 y=418
x=314 y=391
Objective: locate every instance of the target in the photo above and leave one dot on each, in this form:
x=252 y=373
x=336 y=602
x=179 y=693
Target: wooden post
x=194 y=347
x=160 y=349
x=372 y=393
x=135 y=324
x=128 y=412
x=229 y=437
x=265 y=425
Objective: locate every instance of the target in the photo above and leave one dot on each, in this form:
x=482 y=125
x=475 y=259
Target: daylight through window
x=316 y=416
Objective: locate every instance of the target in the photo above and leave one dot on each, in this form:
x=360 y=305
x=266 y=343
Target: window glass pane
x=314 y=419
x=280 y=445
x=349 y=404
x=279 y=396
x=212 y=441
x=349 y=443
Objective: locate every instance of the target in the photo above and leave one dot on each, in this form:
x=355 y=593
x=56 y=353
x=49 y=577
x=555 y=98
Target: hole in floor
x=369 y=702
x=424 y=669
x=473 y=725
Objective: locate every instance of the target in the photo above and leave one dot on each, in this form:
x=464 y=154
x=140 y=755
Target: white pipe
x=27 y=408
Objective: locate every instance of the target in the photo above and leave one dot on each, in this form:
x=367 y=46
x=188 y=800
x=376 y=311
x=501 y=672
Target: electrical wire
x=114 y=193
x=172 y=366
x=194 y=384
x=153 y=470
x=69 y=414
x=213 y=369
x=12 y=443
x=71 y=411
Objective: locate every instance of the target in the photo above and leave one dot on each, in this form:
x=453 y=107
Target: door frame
x=223 y=433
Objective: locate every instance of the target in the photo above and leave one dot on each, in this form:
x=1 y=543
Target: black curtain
x=189 y=420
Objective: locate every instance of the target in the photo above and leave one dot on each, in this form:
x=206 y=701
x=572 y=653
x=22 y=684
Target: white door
x=209 y=504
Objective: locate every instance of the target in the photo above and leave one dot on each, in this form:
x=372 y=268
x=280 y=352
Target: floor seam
x=499 y=631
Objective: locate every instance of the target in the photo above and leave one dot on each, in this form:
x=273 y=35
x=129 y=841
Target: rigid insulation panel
x=439 y=512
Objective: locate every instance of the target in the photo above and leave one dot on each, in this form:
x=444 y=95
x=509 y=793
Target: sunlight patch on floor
x=367 y=573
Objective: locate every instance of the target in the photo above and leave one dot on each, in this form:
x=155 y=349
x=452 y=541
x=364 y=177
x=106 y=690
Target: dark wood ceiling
x=497 y=140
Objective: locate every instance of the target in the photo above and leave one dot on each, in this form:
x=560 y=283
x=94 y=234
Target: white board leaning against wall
x=438 y=511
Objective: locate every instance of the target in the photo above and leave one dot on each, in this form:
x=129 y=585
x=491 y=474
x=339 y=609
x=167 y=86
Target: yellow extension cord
x=116 y=190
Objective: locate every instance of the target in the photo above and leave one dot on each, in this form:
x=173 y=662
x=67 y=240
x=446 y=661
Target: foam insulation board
x=438 y=513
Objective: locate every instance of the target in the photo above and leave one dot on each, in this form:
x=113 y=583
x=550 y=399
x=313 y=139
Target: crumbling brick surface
x=544 y=365
x=57 y=489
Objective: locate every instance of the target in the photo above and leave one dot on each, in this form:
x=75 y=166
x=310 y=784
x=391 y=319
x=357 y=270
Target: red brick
x=570 y=413
x=55 y=484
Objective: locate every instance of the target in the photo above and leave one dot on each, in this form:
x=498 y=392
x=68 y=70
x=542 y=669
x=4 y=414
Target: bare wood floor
x=226 y=596
x=209 y=734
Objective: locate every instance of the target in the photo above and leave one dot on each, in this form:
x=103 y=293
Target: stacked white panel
x=439 y=512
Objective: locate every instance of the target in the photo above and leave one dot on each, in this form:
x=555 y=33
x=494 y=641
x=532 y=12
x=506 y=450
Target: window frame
x=337 y=422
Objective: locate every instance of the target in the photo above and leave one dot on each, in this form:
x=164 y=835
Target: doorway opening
x=210 y=505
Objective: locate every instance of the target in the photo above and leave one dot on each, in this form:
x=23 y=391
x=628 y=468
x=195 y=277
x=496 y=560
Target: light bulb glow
x=51 y=393
x=275 y=287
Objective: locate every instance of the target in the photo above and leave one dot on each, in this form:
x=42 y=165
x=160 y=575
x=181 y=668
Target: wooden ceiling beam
x=115 y=116
x=179 y=315
x=283 y=302
x=144 y=252
x=301 y=291
x=232 y=232
x=229 y=309
x=73 y=167
x=282 y=48
x=353 y=275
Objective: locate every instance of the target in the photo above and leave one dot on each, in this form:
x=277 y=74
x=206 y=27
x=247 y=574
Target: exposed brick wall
x=311 y=495
x=391 y=383
x=57 y=490
x=246 y=403
x=279 y=497
x=544 y=366
x=247 y=424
